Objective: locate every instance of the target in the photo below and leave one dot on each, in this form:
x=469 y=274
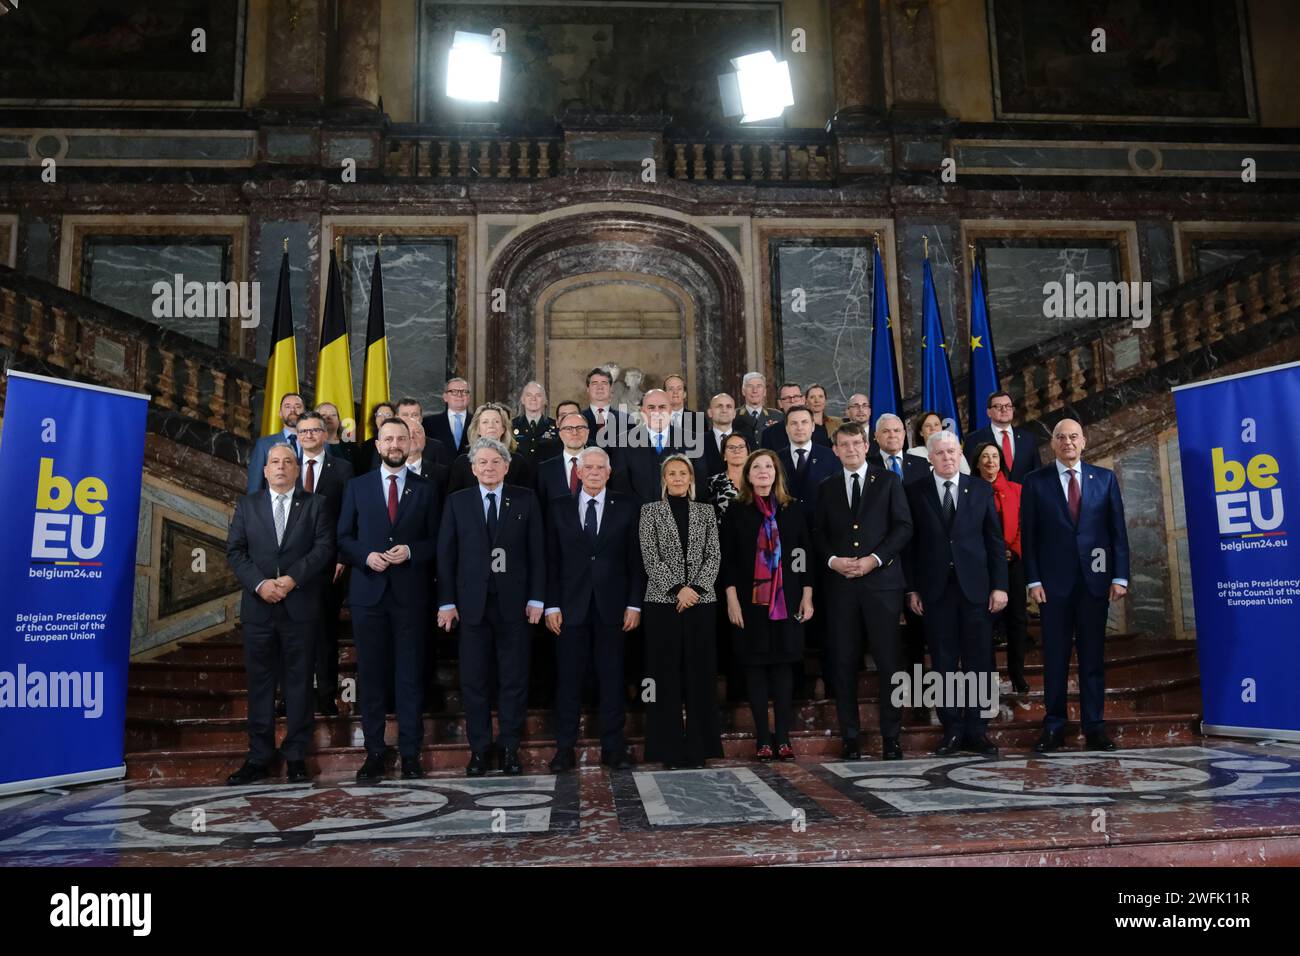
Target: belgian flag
x=334 y=361
x=282 y=363
x=374 y=386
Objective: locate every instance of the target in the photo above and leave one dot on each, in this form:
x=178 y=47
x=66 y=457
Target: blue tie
x=590 y=524
x=457 y=428
x=659 y=443
x=893 y=466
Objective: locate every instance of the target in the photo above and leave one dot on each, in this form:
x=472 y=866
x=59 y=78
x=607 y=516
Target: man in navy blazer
x=1018 y=446
x=1075 y=549
x=443 y=427
x=640 y=461
x=558 y=477
x=604 y=422
x=956 y=570
x=291 y=408
x=492 y=578
x=279 y=546
x=890 y=455
x=387 y=534
x=805 y=472
x=595 y=585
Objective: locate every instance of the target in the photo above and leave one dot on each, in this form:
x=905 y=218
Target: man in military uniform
x=534 y=431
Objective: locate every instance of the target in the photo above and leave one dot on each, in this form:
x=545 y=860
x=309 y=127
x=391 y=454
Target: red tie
x=310 y=483
x=1072 y=497
x=600 y=417
x=392 y=499
x=1006 y=449
x=573 y=476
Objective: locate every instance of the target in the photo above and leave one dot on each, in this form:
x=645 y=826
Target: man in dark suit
x=492 y=578
x=861 y=528
x=956 y=570
x=604 y=422
x=722 y=422
x=788 y=395
x=433 y=451
x=753 y=386
x=560 y=477
x=419 y=461
x=1019 y=447
x=388 y=533
x=450 y=427
x=291 y=406
x=807 y=463
x=639 y=461
x=1075 y=548
x=325 y=475
x=890 y=455
x=279 y=547
x=595 y=585
x=335 y=441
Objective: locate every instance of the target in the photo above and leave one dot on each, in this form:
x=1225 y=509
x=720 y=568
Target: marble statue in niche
x=628 y=393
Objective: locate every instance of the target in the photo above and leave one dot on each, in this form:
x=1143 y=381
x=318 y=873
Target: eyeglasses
x=858 y=405
x=311 y=431
x=458 y=391
x=1001 y=406
x=575 y=428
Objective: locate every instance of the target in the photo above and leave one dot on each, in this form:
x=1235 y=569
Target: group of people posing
x=634 y=547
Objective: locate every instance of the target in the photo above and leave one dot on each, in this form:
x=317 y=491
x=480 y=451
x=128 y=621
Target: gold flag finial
x=926 y=242
x=381 y=242
x=877 y=238
x=286 y=244
x=971 y=247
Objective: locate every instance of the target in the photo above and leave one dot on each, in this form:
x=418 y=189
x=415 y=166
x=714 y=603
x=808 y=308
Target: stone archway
x=617 y=247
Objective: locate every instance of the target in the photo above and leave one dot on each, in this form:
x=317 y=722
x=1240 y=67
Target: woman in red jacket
x=1006 y=496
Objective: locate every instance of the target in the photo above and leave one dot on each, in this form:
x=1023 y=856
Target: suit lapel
x=603 y=524
x=295 y=509
x=263 y=509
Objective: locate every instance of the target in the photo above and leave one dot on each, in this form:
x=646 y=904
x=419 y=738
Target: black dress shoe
x=411 y=769
x=249 y=773
x=372 y=771
x=327 y=706
x=980 y=745
x=1097 y=740
x=563 y=760
x=1020 y=685
x=950 y=745
x=852 y=749
x=890 y=750
x=510 y=764
x=297 y=771
x=477 y=766
x=616 y=759
x=279 y=708
x=1050 y=741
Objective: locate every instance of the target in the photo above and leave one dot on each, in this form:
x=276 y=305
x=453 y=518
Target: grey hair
x=592 y=450
x=935 y=437
x=881 y=419
x=527 y=386
x=750 y=376
x=492 y=445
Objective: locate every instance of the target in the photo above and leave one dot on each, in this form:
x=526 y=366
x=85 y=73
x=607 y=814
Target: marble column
x=854 y=61
x=357 y=82
x=913 y=57
x=295 y=54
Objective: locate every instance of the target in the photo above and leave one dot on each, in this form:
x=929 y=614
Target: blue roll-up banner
x=71 y=457
x=1241 y=485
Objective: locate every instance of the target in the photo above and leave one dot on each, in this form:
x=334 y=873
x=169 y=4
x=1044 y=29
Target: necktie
x=659 y=443
x=279 y=518
x=600 y=418
x=798 y=468
x=392 y=499
x=723 y=441
x=1006 y=450
x=293 y=443
x=855 y=500
x=894 y=467
x=1073 y=498
x=492 y=514
x=590 y=524
x=310 y=483
x=573 y=476
x=949 y=506
x=459 y=420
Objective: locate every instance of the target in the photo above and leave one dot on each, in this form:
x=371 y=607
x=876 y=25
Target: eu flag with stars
x=886 y=396
x=983 y=360
x=937 y=392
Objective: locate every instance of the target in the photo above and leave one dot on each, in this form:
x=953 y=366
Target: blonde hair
x=507 y=433
x=663 y=485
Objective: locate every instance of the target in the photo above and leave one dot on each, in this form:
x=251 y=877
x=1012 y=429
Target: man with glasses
x=858 y=411
x=291 y=407
x=561 y=476
x=451 y=425
x=787 y=397
x=1019 y=447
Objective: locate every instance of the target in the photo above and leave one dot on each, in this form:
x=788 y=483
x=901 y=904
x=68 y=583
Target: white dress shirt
x=319 y=458
x=1063 y=475
x=288 y=504
x=416 y=466
x=484 y=491
x=956 y=488
x=902 y=465
x=848 y=496
x=583 y=498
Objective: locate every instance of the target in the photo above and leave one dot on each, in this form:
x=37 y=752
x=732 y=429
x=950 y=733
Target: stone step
x=151 y=732
x=205 y=767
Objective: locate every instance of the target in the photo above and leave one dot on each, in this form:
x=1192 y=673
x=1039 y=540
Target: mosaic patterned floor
x=927 y=808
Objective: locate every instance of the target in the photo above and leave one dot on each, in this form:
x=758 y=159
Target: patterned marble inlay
x=947 y=784
x=684 y=798
x=278 y=815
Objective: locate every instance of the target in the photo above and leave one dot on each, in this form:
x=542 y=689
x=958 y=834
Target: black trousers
x=392 y=641
x=510 y=641
x=959 y=634
x=1074 y=620
x=576 y=649
x=777 y=682
x=1016 y=619
x=327 y=637
x=279 y=650
x=681 y=660
x=855 y=612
